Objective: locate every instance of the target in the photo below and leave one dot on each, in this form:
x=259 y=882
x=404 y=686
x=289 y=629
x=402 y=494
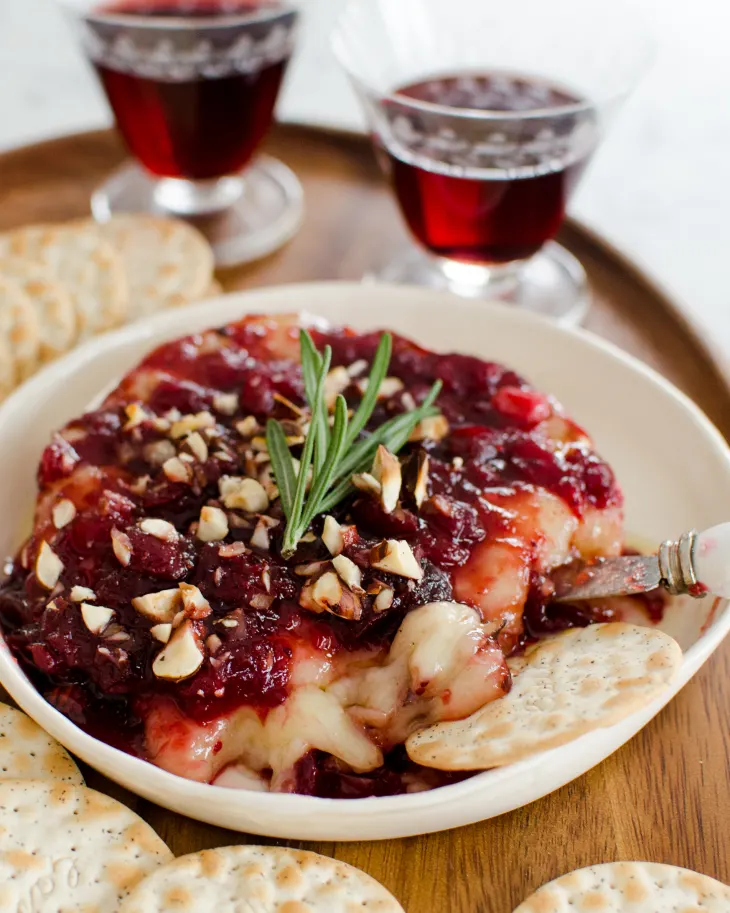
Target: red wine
x=191 y=102
x=492 y=189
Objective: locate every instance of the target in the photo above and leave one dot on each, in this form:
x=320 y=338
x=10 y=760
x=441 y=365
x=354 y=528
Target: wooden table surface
x=664 y=796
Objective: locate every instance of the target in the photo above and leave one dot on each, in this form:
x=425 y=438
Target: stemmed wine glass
x=193 y=85
x=484 y=115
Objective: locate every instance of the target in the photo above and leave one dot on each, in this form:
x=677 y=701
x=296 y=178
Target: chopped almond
x=178 y=471
x=332 y=536
x=213 y=643
x=387 y=471
x=420 y=489
x=181 y=658
x=213 y=524
x=366 y=483
x=226 y=403
x=190 y=423
x=349 y=606
x=122 y=547
x=261 y=601
x=407 y=401
x=96 y=617
x=310 y=568
x=248 y=426
x=139 y=486
x=233 y=550
x=395 y=557
x=336 y=382
x=160 y=529
x=195 y=604
x=357 y=367
x=48 y=566
x=348 y=571
x=160 y=607
x=81 y=594
x=197 y=446
x=229 y=622
x=434 y=428
x=326 y=594
x=244 y=494
x=384 y=599
x=63 y=513
x=161 y=632
x=388 y=387
x=322 y=593
x=261 y=538
x=267 y=480
x=159 y=452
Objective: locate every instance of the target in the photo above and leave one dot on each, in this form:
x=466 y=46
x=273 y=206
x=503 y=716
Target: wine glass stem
x=197 y=198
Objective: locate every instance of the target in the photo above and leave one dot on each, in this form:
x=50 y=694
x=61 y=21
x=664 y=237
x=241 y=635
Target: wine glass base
x=265 y=215
x=552 y=283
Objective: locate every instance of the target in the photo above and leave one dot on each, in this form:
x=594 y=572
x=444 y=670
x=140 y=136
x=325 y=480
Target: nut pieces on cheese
x=280 y=564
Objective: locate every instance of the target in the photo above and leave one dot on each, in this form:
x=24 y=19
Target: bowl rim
x=273 y=299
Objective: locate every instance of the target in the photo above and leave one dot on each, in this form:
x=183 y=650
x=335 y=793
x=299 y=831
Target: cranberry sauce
x=114 y=465
x=486 y=191
x=197 y=104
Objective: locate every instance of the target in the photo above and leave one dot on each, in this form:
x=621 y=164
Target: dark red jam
x=114 y=478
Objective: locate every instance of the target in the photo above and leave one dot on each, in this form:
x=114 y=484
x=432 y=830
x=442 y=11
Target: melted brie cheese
x=441 y=665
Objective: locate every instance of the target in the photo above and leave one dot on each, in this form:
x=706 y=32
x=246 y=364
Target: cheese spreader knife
x=697 y=564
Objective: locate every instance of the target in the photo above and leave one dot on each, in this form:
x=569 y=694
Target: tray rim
x=697 y=334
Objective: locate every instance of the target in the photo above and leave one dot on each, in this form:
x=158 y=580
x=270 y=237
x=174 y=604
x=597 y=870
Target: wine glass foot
x=552 y=283
x=265 y=213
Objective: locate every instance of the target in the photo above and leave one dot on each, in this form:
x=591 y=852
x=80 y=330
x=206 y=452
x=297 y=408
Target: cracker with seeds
x=84 y=262
x=19 y=327
x=66 y=849
x=167 y=262
x=28 y=752
x=52 y=302
x=569 y=684
x=630 y=887
x=259 y=879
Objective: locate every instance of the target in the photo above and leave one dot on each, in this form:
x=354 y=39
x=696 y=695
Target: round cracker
x=27 y=752
x=84 y=262
x=167 y=262
x=569 y=684
x=258 y=878
x=51 y=300
x=630 y=887
x=68 y=848
x=20 y=327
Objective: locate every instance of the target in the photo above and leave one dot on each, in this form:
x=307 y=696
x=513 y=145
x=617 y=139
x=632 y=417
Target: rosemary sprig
x=333 y=456
x=311 y=371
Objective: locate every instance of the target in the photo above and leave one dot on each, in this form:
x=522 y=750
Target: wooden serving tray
x=663 y=797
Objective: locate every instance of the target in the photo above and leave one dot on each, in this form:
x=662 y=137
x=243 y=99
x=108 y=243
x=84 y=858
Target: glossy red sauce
x=492 y=413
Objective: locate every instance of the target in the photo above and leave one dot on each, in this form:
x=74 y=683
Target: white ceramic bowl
x=672 y=463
